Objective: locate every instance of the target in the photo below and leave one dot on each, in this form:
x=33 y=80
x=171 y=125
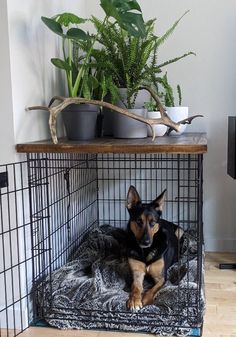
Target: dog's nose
x=146 y=240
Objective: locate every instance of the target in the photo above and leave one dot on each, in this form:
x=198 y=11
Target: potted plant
x=84 y=74
x=175 y=112
x=126 y=70
x=153 y=112
x=132 y=61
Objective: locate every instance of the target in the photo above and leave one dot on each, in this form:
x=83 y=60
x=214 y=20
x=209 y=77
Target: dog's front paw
x=134 y=303
x=148 y=298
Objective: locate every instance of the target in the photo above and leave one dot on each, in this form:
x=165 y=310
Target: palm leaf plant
x=75 y=41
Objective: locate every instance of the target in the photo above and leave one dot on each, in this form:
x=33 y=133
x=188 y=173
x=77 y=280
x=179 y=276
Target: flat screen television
x=231 y=160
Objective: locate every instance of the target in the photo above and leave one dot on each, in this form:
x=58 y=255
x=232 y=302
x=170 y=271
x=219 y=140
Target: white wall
x=34 y=79
x=208 y=82
x=6 y=130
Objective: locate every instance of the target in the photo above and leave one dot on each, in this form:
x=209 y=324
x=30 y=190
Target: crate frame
x=112 y=165
x=96 y=157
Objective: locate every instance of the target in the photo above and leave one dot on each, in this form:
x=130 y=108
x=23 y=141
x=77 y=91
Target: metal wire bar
x=15 y=253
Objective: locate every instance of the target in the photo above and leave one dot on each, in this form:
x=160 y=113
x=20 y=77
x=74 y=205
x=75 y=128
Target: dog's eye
x=139 y=222
x=152 y=223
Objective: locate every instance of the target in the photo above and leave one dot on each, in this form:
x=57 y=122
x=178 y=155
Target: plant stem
x=69 y=80
x=83 y=66
x=70 y=62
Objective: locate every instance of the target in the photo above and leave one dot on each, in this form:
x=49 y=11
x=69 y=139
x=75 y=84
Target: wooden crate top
x=185 y=143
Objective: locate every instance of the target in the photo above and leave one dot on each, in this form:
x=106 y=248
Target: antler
x=166 y=120
x=55 y=110
x=184 y=121
x=64 y=102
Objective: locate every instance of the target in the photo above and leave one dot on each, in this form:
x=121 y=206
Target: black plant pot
x=80 y=121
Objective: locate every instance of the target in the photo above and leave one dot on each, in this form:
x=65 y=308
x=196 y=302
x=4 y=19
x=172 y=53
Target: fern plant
x=127 y=57
x=133 y=61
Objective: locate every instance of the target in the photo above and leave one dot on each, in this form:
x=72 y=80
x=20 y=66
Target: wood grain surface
x=186 y=143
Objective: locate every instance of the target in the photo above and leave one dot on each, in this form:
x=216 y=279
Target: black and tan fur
x=152 y=246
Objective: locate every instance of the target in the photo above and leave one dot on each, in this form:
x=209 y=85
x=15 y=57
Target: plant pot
x=110 y=116
x=126 y=127
x=80 y=121
x=160 y=129
x=178 y=113
x=107 y=118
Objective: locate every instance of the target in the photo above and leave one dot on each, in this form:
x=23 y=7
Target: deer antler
x=164 y=116
x=184 y=121
x=55 y=110
x=64 y=102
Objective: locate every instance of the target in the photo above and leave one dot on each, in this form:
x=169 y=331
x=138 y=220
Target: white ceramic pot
x=160 y=129
x=177 y=113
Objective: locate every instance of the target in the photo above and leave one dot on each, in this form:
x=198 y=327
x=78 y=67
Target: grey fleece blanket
x=92 y=290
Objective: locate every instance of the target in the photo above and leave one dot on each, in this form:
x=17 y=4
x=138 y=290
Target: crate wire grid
x=15 y=249
x=71 y=193
x=181 y=175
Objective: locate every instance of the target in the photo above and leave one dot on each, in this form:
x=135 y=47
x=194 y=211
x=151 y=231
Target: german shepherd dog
x=152 y=246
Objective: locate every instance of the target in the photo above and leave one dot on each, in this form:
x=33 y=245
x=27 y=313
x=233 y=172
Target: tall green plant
x=125 y=12
x=168 y=93
x=132 y=60
x=127 y=57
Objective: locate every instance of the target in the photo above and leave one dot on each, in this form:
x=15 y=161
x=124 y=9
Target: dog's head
x=144 y=218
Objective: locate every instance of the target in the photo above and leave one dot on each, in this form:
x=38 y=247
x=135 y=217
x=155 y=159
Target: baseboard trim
x=218 y=245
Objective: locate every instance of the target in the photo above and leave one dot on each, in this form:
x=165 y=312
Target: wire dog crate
x=72 y=201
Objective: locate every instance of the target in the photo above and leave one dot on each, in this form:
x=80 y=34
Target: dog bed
x=92 y=290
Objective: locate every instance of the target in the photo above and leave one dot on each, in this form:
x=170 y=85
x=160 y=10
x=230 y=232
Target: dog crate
x=70 y=269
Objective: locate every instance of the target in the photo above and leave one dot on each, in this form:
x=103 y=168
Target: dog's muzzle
x=145 y=241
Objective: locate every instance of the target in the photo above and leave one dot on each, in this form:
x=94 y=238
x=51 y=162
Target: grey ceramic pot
x=80 y=121
x=125 y=127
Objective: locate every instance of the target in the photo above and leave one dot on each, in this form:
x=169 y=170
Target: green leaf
x=111 y=7
x=122 y=12
x=53 y=25
x=175 y=59
x=179 y=94
x=164 y=37
x=126 y=5
x=93 y=82
x=77 y=34
x=133 y=24
x=61 y=64
x=66 y=19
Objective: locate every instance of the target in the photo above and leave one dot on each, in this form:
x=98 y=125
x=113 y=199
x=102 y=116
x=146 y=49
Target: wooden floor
x=220 y=318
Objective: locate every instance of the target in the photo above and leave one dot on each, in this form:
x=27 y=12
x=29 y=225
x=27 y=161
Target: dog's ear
x=133 y=198
x=158 y=203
